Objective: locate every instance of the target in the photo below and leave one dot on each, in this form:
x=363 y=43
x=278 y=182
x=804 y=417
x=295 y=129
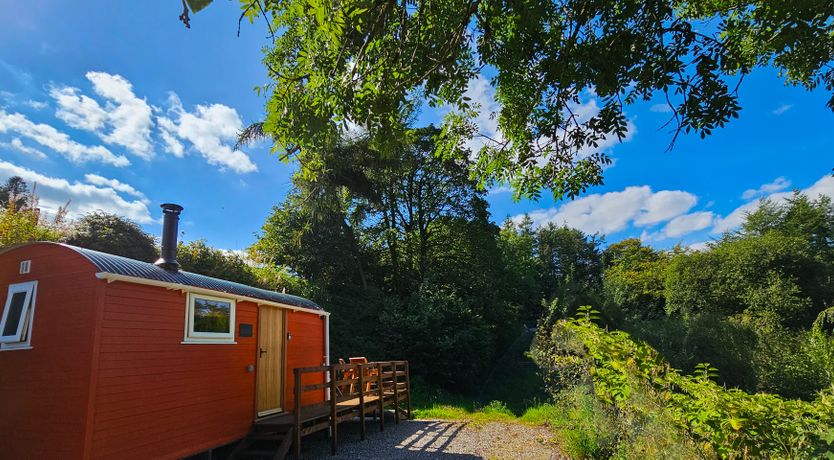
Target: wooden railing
x=352 y=389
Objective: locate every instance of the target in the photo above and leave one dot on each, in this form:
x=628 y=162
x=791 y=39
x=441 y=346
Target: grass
x=493 y=412
x=582 y=426
x=511 y=393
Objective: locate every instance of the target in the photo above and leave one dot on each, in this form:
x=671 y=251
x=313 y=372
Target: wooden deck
x=353 y=390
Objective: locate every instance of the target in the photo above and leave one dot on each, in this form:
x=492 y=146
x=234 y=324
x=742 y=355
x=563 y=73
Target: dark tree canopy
x=375 y=63
x=14 y=192
x=113 y=234
x=401 y=242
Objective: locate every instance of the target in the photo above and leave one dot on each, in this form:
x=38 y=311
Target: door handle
x=261 y=352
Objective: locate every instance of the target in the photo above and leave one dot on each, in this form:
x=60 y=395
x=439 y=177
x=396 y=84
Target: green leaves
x=197 y=5
x=376 y=63
x=633 y=378
x=587 y=313
x=706 y=372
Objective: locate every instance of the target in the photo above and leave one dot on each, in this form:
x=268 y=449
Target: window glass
x=212 y=316
x=15 y=313
x=16 y=321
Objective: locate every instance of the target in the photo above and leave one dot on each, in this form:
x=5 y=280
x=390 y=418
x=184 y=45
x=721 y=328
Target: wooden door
x=270 y=382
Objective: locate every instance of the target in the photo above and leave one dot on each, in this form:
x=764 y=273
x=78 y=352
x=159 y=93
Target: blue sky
x=116 y=106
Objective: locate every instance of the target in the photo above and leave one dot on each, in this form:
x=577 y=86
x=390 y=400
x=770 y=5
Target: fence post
x=362 y=399
x=396 y=393
x=381 y=400
x=333 y=420
x=408 y=389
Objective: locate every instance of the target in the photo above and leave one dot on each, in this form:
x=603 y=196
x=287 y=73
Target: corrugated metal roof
x=119 y=265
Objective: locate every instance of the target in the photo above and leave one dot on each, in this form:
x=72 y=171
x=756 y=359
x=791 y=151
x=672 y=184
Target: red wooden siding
x=44 y=392
x=159 y=398
x=306 y=349
x=109 y=377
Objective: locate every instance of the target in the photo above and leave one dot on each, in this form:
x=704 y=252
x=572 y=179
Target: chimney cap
x=172 y=207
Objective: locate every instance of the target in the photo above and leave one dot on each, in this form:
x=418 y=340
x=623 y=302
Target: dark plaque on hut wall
x=245 y=330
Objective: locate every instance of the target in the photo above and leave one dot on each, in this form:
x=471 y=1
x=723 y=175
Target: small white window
x=18 y=311
x=209 y=319
x=25 y=266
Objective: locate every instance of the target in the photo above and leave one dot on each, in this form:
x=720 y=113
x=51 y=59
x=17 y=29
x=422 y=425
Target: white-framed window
x=18 y=311
x=209 y=319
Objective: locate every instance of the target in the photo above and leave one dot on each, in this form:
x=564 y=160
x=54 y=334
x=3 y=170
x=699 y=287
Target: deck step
x=267 y=436
x=260 y=453
x=274 y=446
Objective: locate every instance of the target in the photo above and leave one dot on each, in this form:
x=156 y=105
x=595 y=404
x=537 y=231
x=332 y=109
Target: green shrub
x=634 y=380
x=23 y=225
x=113 y=234
x=585 y=427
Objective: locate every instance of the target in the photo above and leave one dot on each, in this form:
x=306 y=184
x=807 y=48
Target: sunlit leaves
x=728 y=423
x=373 y=64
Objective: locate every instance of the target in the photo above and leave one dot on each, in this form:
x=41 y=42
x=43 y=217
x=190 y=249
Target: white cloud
x=130 y=116
x=661 y=108
x=60 y=142
x=688 y=223
x=699 y=246
x=17 y=144
x=115 y=184
x=168 y=130
x=80 y=112
x=780 y=183
x=483 y=94
x=55 y=192
x=499 y=190
x=782 y=109
x=822 y=187
x=37 y=105
x=614 y=211
x=209 y=128
x=664 y=205
x=735 y=218
x=127 y=116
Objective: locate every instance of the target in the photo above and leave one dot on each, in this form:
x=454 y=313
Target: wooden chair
x=345 y=375
x=369 y=375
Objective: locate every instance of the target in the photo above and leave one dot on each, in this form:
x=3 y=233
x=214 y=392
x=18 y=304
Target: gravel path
x=435 y=439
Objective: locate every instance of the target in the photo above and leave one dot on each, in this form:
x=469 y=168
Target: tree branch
x=184 y=16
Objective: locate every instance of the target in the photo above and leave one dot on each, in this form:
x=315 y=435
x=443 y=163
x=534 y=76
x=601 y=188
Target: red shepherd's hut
x=103 y=356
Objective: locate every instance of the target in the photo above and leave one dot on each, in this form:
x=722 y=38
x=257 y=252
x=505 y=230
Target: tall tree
x=518 y=245
x=634 y=279
x=401 y=241
x=571 y=265
x=14 y=192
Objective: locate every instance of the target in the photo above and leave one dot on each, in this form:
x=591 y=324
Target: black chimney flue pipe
x=170 y=225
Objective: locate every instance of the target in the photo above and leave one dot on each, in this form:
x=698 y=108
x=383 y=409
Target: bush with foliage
x=634 y=379
x=20 y=219
x=199 y=257
x=634 y=278
x=23 y=226
x=456 y=338
x=113 y=234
